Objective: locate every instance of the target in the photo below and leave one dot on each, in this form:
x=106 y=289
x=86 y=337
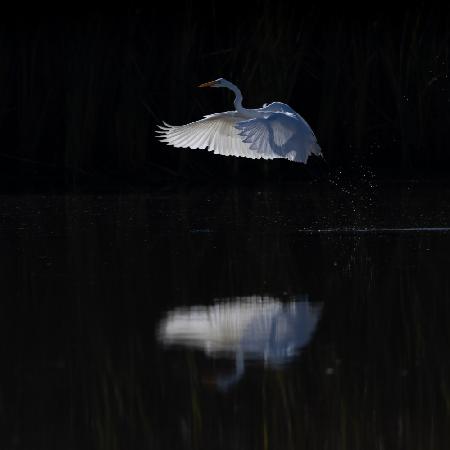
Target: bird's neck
x=238 y=101
x=238 y=98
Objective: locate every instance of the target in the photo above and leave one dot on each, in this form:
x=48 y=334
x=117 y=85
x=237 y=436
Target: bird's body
x=273 y=131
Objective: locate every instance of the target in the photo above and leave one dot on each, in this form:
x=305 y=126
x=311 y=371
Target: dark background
x=86 y=277
x=82 y=91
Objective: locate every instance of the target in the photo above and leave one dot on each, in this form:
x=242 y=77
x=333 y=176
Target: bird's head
x=220 y=82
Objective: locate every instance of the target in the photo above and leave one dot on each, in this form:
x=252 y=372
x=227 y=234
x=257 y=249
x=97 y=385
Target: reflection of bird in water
x=247 y=328
x=273 y=131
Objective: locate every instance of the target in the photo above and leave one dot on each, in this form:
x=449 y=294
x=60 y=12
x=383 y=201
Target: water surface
x=334 y=301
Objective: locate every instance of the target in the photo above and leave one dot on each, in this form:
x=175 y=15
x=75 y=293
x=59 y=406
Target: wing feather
x=276 y=133
x=217 y=132
x=283 y=134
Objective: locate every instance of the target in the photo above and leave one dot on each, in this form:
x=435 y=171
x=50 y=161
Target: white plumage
x=262 y=327
x=255 y=328
x=273 y=131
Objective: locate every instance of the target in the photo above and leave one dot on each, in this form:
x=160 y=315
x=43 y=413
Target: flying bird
x=273 y=131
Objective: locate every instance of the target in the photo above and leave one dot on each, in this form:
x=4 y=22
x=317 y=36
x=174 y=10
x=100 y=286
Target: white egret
x=248 y=328
x=273 y=131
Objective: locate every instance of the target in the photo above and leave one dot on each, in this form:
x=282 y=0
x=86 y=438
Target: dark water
x=334 y=301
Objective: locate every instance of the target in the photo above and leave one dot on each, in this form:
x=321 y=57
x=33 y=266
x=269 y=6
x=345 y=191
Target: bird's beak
x=208 y=84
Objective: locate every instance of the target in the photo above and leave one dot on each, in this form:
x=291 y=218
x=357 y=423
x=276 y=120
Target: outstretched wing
x=282 y=133
x=217 y=132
